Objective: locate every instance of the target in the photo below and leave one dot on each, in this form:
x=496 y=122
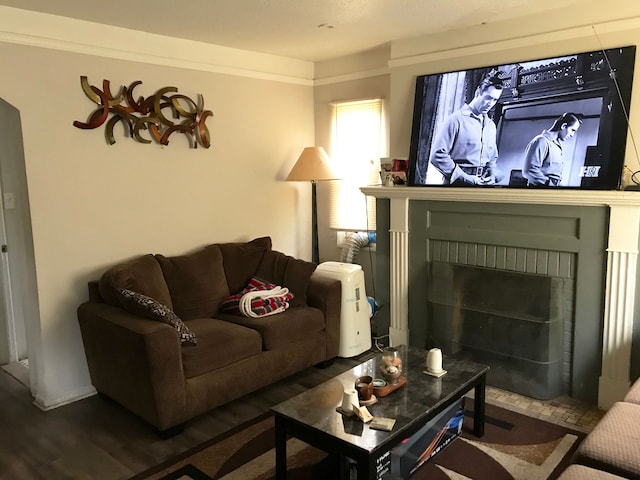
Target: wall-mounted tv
x=550 y=123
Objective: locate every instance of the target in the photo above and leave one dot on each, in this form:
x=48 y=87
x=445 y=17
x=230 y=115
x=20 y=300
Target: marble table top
x=422 y=395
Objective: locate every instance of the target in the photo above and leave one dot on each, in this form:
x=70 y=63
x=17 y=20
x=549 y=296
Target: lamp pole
x=315 y=252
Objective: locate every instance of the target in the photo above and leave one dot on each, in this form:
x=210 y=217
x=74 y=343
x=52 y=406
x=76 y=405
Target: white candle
x=350 y=398
x=434 y=360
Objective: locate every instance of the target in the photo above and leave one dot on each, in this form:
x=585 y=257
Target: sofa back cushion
x=287 y=271
x=196 y=282
x=241 y=260
x=141 y=274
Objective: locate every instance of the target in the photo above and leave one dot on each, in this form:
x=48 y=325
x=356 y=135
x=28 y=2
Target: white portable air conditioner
x=355 y=326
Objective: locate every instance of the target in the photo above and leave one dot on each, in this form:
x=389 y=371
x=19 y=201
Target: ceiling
x=311 y=30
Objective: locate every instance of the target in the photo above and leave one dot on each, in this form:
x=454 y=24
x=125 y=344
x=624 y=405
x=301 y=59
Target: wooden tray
x=387 y=389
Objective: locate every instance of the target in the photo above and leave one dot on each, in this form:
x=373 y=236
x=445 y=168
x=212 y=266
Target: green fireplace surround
x=567 y=236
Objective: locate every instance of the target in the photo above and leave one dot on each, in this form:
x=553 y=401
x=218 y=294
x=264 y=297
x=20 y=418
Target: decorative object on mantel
x=149 y=113
x=394 y=171
x=313 y=165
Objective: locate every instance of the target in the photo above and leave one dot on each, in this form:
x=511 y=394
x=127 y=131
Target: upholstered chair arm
x=135 y=361
x=326 y=294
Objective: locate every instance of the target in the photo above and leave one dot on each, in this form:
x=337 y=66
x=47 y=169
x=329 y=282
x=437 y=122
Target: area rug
x=514 y=447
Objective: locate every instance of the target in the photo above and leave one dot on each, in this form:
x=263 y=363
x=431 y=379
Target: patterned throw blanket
x=258 y=299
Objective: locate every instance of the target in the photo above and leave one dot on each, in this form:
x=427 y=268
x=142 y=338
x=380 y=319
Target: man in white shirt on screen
x=465 y=150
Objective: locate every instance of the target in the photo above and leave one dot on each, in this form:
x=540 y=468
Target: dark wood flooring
x=96 y=439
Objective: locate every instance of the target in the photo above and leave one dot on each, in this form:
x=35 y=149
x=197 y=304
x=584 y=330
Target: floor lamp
x=313 y=165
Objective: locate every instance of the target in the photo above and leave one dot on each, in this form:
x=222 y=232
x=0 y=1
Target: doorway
x=18 y=292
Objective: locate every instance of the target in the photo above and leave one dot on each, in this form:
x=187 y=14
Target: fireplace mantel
x=508 y=195
x=622 y=255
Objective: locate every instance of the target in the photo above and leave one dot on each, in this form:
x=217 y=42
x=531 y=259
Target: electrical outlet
x=8 y=201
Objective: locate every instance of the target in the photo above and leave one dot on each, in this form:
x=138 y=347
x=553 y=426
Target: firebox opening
x=512 y=321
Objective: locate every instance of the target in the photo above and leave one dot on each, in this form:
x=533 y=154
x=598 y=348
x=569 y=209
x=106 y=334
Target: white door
x=8 y=339
x=18 y=287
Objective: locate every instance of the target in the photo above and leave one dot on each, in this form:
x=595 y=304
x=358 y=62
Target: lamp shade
x=313 y=164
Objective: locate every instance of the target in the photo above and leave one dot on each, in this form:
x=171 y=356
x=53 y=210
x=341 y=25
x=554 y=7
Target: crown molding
x=586 y=34
x=351 y=76
x=54 y=32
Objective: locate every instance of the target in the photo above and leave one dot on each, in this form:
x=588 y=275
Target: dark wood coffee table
x=312 y=416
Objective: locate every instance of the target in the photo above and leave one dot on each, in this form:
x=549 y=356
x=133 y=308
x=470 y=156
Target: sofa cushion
x=141 y=274
x=196 y=281
x=241 y=260
x=219 y=344
x=612 y=445
x=147 y=307
x=278 y=331
x=289 y=272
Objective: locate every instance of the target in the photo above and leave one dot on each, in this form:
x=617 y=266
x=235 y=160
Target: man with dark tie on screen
x=464 y=150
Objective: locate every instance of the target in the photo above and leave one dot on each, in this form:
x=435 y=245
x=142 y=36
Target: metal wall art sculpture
x=159 y=115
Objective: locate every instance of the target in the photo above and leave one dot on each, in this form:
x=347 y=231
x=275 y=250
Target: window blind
x=356 y=147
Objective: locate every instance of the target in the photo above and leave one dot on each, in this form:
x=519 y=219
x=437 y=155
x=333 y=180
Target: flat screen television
x=549 y=123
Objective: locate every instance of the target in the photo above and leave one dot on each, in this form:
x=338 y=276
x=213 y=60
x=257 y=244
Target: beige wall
x=93 y=204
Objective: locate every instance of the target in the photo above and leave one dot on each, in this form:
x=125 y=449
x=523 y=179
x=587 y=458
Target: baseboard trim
x=610 y=391
x=46 y=404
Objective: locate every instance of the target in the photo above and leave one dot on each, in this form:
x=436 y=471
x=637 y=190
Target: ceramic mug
x=364 y=386
x=434 y=360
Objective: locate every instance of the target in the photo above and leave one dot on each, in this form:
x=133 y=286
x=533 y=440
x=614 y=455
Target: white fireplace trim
x=622 y=258
x=399 y=229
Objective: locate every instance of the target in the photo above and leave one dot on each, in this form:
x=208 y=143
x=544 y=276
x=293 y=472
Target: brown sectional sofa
x=152 y=367
x=612 y=450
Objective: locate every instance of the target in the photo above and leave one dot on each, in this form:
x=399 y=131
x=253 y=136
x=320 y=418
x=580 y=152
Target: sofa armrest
x=135 y=361
x=326 y=294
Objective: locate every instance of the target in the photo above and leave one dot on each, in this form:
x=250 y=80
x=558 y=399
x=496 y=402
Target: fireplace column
x=622 y=258
x=399 y=298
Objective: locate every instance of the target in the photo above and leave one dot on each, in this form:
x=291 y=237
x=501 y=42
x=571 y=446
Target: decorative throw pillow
x=149 y=308
x=258 y=299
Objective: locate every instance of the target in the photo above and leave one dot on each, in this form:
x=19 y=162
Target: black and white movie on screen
x=596 y=86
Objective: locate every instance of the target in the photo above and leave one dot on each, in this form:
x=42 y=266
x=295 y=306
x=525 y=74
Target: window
x=356 y=150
